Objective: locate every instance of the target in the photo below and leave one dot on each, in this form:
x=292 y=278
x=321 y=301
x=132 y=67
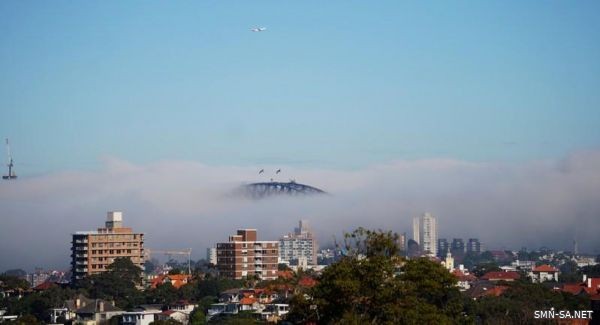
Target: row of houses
x=83 y=310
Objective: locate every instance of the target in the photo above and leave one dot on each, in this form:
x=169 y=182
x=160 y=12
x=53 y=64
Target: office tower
x=473 y=246
x=94 y=251
x=458 y=247
x=442 y=247
x=245 y=256
x=302 y=244
x=425 y=233
x=402 y=243
x=211 y=255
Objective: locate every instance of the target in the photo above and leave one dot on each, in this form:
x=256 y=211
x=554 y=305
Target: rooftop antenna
x=11 y=173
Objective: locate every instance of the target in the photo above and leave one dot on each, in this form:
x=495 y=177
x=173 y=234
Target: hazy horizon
x=185 y=204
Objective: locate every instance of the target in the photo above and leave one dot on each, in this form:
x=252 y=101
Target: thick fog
x=180 y=204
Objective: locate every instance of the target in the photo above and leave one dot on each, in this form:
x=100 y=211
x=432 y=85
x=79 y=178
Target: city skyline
x=484 y=114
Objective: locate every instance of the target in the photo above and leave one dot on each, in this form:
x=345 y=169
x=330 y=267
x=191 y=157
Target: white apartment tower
x=425 y=233
x=299 y=246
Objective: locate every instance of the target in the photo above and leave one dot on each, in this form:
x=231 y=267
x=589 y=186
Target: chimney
x=101 y=306
x=78 y=302
x=589 y=282
x=585 y=278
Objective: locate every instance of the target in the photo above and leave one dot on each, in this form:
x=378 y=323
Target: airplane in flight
x=258 y=29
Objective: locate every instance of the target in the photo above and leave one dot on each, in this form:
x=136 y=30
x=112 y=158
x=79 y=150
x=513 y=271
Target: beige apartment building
x=93 y=251
x=244 y=256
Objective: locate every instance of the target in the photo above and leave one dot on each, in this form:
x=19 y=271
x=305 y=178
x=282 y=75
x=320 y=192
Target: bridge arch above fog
x=265 y=189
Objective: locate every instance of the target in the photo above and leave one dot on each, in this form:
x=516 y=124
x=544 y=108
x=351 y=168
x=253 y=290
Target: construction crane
x=170 y=253
x=11 y=173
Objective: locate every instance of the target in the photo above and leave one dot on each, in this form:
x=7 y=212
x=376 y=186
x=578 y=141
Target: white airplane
x=259 y=29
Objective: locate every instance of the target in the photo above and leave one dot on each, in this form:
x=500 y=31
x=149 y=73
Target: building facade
x=458 y=247
x=442 y=247
x=425 y=233
x=474 y=246
x=93 y=251
x=245 y=256
x=211 y=255
x=299 y=246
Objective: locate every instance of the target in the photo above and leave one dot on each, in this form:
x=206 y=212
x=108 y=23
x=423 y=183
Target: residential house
x=464 y=278
x=96 y=313
x=174 y=315
x=176 y=280
x=544 y=273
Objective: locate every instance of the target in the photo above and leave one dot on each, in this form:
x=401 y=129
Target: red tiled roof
x=595 y=283
x=544 y=268
x=495 y=291
x=247 y=301
x=462 y=276
x=573 y=288
x=307 y=282
x=45 y=285
x=498 y=275
x=285 y=274
x=177 y=280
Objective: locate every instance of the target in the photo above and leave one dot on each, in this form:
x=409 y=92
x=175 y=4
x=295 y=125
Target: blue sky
x=336 y=84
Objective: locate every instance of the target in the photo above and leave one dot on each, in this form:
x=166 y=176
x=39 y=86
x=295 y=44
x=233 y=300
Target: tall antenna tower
x=11 y=173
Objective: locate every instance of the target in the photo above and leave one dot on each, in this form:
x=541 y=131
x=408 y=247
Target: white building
x=211 y=255
x=544 y=273
x=425 y=233
x=299 y=246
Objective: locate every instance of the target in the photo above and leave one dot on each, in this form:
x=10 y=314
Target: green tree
x=197 y=317
x=373 y=284
x=164 y=294
x=484 y=268
x=118 y=283
x=28 y=320
x=13 y=282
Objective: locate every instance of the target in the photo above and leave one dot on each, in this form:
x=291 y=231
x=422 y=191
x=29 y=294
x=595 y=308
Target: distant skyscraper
x=442 y=247
x=458 y=247
x=474 y=246
x=425 y=233
x=302 y=244
x=94 y=251
x=211 y=255
x=402 y=243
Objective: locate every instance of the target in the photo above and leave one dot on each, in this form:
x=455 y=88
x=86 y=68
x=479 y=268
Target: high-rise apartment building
x=458 y=247
x=211 y=255
x=244 y=256
x=299 y=245
x=425 y=233
x=474 y=246
x=442 y=247
x=93 y=251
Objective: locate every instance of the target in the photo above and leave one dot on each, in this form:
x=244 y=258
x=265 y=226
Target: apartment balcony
x=81 y=248
x=80 y=263
x=81 y=269
x=81 y=241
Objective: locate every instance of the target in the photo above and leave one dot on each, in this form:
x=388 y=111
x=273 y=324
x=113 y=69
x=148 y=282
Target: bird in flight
x=258 y=29
x=278 y=171
x=261 y=171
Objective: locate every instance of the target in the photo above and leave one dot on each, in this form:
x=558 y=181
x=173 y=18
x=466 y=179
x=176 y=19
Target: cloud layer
x=181 y=204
